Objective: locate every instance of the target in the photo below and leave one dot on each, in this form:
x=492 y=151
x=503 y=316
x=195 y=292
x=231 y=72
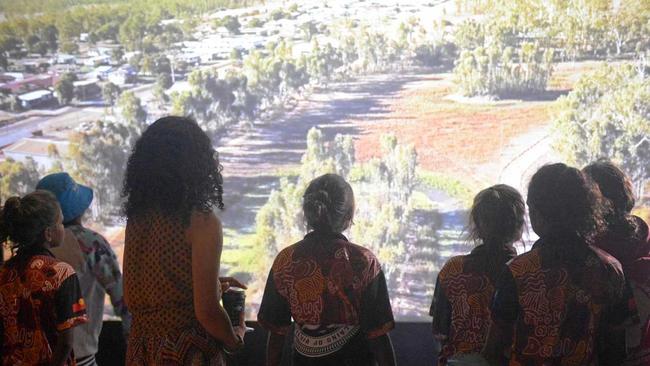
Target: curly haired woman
x=173 y=249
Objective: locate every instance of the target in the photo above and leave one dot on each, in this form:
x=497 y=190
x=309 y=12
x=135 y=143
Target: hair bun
x=12 y=206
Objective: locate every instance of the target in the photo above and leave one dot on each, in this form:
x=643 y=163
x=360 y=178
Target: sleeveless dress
x=158 y=289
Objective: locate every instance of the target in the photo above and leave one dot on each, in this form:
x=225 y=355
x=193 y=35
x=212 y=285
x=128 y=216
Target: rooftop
x=35 y=95
x=37 y=146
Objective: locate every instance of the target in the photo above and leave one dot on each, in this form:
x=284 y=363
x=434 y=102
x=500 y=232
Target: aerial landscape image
x=419 y=104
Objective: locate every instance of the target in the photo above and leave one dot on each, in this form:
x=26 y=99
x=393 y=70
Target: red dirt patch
x=450 y=137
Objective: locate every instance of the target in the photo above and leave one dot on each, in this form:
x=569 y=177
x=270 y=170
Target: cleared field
x=468 y=138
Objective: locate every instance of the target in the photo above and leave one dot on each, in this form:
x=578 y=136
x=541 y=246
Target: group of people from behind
x=52 y=289
x=580 y=296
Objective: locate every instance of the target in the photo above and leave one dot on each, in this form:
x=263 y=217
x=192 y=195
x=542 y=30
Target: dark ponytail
x=23 y=220
x=328 y=204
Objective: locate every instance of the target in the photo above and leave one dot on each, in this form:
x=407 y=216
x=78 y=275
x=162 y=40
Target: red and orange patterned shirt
x=333 y=289
x=556 y=301
x=462 y=299
x=39 y=296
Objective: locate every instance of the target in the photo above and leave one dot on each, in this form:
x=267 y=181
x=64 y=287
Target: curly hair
x=173 y=170
x=568 y=202
x=328 y=204
x=23 y=220
x=618 y=191
x=497 y=216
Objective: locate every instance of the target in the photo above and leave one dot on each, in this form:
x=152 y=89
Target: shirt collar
x=315 y=235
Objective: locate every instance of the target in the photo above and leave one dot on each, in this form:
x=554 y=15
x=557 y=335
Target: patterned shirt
x=559 y=298
x=99 y=274
x=39 y=297
x=633 y=251
x=334 y=290
x=462 y=299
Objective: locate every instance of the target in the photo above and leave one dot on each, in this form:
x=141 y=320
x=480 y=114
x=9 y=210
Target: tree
x=64 y=88
x=17 y=178
x=231 y=23
x=131 y=110
x=117 y=54
x=110 y=93
x=606 y=115
x=164 y=80
x=51 y=35
x=98 y=156
x=383 y=189
x=236 y=54
x=70 y=47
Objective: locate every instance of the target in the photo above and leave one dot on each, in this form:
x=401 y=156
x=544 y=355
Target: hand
x=227 y=282
x=239 y=333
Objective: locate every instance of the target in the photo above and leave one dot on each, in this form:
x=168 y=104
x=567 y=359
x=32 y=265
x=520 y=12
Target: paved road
x=69 y=118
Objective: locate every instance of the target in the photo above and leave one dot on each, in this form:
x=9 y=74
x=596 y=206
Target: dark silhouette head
x=32 y=222
x=173 y=170
x=618 y=194
x=497 y=216
x=328 y=204
x=615 y=186
x=564 y=203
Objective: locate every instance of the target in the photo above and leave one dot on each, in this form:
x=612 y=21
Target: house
x=63 y=58
x=35 y=98
x=102 y=72
x=38 y=148
x=97 y=60
x=30 y=83
x=86 y=89
x=124 y=75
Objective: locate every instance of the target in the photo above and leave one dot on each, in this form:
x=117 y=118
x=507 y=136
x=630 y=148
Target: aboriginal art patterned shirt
x=462 y=299
x=557 y=300
x=39 y=297
x=334 y=290
x=632 y=249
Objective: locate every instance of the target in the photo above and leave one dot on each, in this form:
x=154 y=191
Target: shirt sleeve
x=376 y=314
x=440 y=311
x=107 y=271
x=275 y=313
x=70 y=307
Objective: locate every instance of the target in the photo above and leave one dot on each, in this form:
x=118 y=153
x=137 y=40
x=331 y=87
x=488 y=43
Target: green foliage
x=97 y=158
x=496 y=71
x=256 y=23
x=231 y=23
x=110 y=93
x=607 y=115
x=64 y=88
x=449 y=185
x=279 y=13
x=17 y=178
x=131 y=110
x=383 y=193
x=580 y=28
x=215 y=102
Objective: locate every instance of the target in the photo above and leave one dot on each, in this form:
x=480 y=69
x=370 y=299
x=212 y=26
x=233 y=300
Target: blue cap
x=73 y=198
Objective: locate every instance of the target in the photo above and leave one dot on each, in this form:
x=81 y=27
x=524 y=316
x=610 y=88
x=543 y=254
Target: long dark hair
x=328 y=204
x=618 y=192
x=568 y=202
x=23 y=221
x=173 y=170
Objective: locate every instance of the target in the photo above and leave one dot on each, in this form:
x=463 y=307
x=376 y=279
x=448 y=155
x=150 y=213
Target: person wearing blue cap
x=93 y=259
